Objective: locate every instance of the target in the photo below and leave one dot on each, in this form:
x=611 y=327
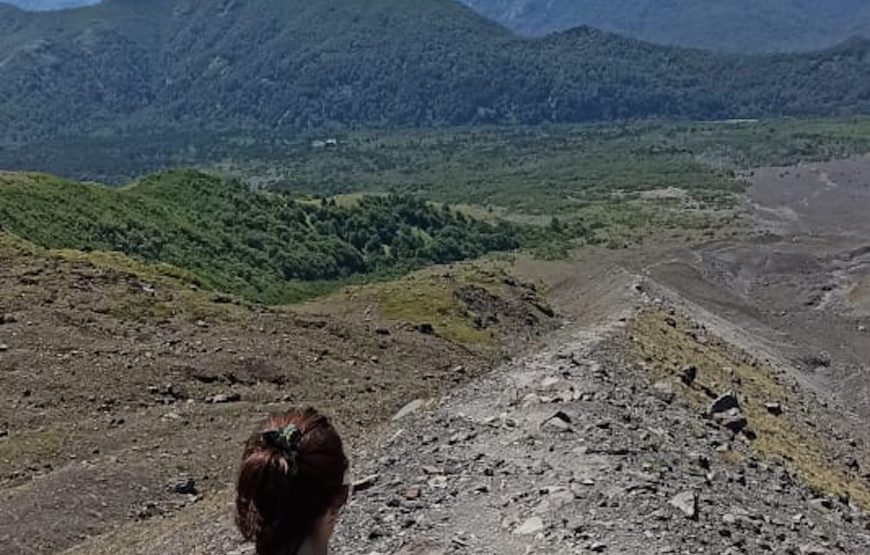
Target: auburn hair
x=279 y=499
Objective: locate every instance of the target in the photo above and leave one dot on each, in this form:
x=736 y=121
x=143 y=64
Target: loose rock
x=409 y=409
x=725 y=403
x=689 y=374
x=531 y=526
x=184 y=485
x=687 y=503
x=224 y=398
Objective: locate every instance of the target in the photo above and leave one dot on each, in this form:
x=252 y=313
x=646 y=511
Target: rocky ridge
x=576 y=449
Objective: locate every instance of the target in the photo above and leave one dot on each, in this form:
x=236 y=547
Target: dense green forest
x=530 y=170
x=723 y=25
x=262 y=245
x=285 y=66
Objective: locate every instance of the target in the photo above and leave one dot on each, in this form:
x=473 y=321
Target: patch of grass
x=664 y=349
x=29 y=448
x=430 y=299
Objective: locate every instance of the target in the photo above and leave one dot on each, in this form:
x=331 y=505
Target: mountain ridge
x=732 y=25
x=288 y=66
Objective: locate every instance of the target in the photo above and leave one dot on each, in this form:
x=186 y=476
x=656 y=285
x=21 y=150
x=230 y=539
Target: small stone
x=224 y=398
x=700 y=459
x=733 y=420
x=725 y=403
x=597 y=547
x=689 y=374
x=3 y=347
x=366 y=482
x=409 y=409
x=184 y=485
x=411 y=493
x=559 y=421
x=774 y=408
x=530 y=527
x=687 y=503
x=664 y=391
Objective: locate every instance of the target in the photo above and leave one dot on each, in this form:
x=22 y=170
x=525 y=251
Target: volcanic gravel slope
x=125 y=393
x=576 y=449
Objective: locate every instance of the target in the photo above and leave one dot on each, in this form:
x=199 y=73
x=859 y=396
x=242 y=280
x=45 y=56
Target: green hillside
x=724 y=25
x=262 y=245
x=285 y=66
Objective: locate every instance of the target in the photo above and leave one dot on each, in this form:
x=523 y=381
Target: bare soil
x=799 y=283
x=117 y=384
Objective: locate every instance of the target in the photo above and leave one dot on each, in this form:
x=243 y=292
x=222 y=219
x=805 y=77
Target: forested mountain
x=235 y=239
x=289 y=65
x=725 y=25
x=46 y=5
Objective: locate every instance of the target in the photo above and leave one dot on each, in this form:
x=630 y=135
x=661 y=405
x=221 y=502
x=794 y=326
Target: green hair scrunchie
x=287 y=440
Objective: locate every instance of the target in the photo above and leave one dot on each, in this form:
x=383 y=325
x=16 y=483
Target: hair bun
x=286 y=440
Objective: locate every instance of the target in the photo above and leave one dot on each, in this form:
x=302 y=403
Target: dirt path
x=570 y=450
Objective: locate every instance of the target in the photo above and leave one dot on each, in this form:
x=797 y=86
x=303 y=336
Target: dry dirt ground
x=126 y=394
x=801 y=284
x=700 y=399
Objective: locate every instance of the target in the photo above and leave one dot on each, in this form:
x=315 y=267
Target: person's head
x=291 y=483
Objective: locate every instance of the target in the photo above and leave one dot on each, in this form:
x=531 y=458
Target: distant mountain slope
x=726 y=25
x=292 y=65
x=47 y=5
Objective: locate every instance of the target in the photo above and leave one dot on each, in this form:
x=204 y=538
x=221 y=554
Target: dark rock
x=425 y=329
x=725 y=403
x=689 y=374
x=184 y=485
x=732 y=419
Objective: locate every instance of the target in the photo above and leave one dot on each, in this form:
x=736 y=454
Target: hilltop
x=282 y=66
x=730 y=25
